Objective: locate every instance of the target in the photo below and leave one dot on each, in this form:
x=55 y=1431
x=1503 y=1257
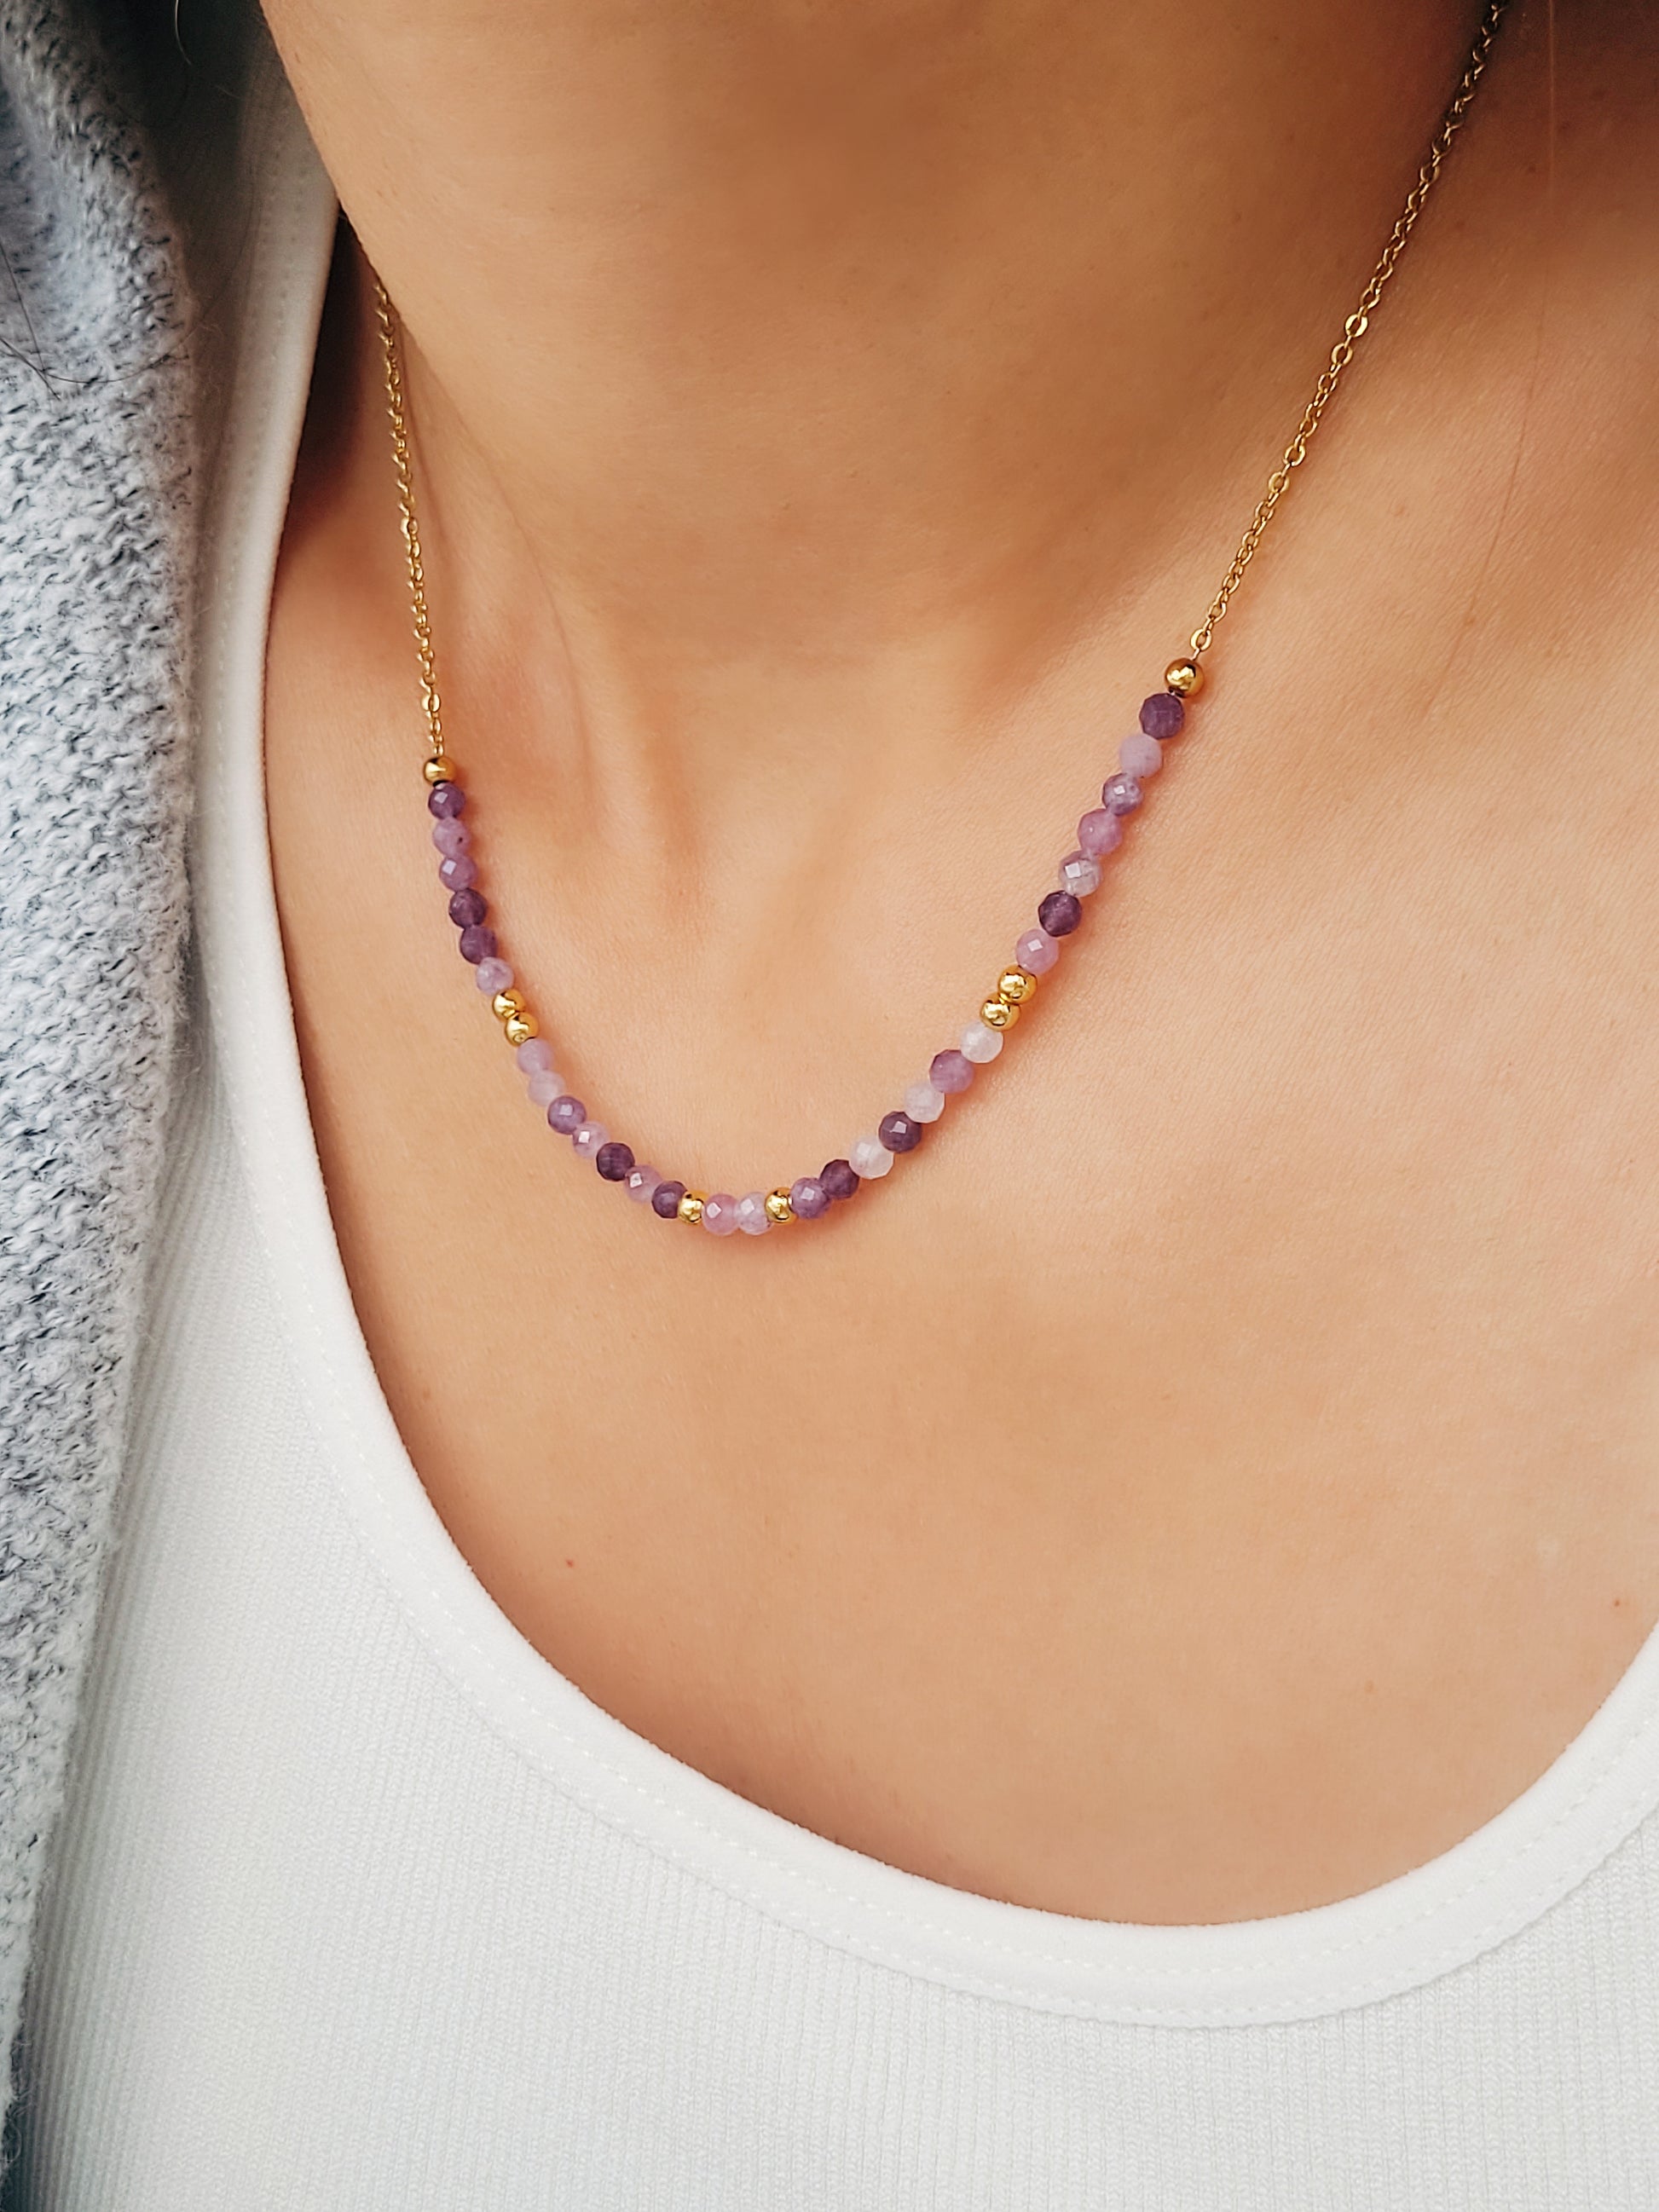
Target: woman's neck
x=779 y=366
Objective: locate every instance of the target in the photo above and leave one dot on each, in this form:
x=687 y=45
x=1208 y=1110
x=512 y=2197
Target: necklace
x=1059 y=912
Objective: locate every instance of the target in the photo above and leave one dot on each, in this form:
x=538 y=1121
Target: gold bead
x=520 y=1028
x=440 y=770
x=999 y=1014
x=1184 y=678
x=506 y=1003
x=690 y=1208
x=778 y=1207
x=1017 y=985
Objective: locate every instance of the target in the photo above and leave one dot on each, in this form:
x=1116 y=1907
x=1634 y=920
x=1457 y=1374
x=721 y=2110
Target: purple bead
x=1140 y=755
x=643 y=1184
x=752 y=1217
x=719 y=1213
x=900 y=1132
x=477 y=943
x=950 y=1071
x=452 y=838
x=445 y=801
x=665 y=1200
x=533 y=1052
x=545 y=1085
x=837 y=1181
x=615 y=1161
x=1163 y=714
x=590 y=1140
x=808 y=1199
x=566 y=1114
x=1099 y=833
x=493 y=976
x=1036 y=951
x=467 y=907
x=1078 y=873
x=1060 y=914
x=1120 y=793
x=458 y=875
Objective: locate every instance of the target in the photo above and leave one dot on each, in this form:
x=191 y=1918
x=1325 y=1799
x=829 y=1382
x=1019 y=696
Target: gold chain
x=1355 y=326
x=1295 y=454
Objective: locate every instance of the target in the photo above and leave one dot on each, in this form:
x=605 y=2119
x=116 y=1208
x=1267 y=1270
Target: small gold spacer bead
x=1184 y=678
x=440 y=770
x=999 y=1014
x=506 y=1003
x=520 y=1028
x=778 y=1207
x=690 y=1207
x=1017 y=985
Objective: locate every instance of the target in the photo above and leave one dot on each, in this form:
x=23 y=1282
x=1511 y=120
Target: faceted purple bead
x=452 y=838
x=838 y=1180
x=493 y=976
x=533 y=1052
x=1163 y=714
x=590 y=1140
x=900 y=1132
x=458 y=875
x=808 y=1199
x=467 y=908
x=477 y=943
x=1099 y=833
x=1078 y=873
x=950 y=1071
x=445 y=801
x=719 y=1213
x=1120 y=793
x=665 y=1200
x=566 y=1114
x=751 y=1215
x=615 y=1161
x=1036 y=951
x=545 y=1085
x=1060 y=914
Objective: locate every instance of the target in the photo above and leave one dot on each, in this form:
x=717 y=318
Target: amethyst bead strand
x=458 y=875
x=615 y=1161
x=1060 y=914
x=900 y=1132
x=479 y=943
x=808 y=1198
x=838 y=1180
x=1163 y=715
x=665 y=1200
x=445 y=801
x=467 y=907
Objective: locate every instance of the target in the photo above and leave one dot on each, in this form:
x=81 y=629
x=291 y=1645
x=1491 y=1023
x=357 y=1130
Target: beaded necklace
x=1059 y=914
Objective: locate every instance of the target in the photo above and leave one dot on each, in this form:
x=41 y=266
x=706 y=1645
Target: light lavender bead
x=1140 y=755
x=493 y=976
x=459 y=875
x=719 y=1213
x=586 y=1139
x=1038 y=950
x=1080 y=875
x=979 y=1045
x=544 y=1086
x=924 y=1103
x=1099 y=833
x=641 y=1183
x=871 y=1158
x=751 y=1215
x=534 y=1053
x=1121 y=793
x=452 y=838
x=566 y=1115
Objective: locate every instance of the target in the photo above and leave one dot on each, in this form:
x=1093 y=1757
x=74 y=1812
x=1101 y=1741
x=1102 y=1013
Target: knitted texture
x=94 y=589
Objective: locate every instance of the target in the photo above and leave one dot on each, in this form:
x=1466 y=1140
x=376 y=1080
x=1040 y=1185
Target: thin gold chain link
x=1295 y=454
x=1355 y=326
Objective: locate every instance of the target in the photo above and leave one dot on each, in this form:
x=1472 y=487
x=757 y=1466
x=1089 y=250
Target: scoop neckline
x=1380 y=1943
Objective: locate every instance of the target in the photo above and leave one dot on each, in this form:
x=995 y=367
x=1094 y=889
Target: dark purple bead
x=566 y=1114
x=1163 y=714
x=838 y=1179
x=899 y=1132
x=467 y=908
x=615 y=1162
x=445 y=801
x=665 y=1200
x=1060 y=914
x=477 y=943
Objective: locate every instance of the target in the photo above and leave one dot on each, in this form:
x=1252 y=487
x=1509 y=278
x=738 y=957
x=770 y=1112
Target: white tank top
x=361 y=1907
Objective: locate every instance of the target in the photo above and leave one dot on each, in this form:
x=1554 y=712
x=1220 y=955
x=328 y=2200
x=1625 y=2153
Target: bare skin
x=1222 y=1470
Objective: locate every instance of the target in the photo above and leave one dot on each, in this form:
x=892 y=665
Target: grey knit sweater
x=105 y=402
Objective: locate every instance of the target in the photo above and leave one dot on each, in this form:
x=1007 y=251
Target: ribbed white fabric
x=363 y=1908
